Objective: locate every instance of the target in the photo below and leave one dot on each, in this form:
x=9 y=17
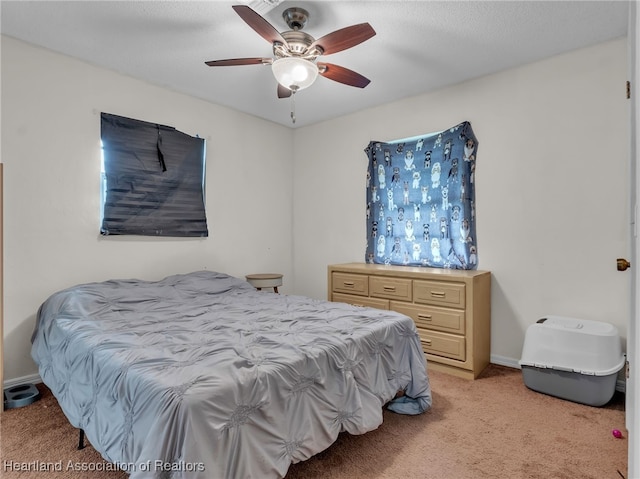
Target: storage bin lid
x=574 y=345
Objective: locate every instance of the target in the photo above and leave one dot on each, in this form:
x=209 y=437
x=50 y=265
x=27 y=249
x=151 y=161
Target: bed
x=199 y=375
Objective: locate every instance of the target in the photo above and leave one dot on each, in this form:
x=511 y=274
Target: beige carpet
x=493 y=427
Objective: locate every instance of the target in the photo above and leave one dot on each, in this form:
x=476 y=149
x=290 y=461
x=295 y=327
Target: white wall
x=552 y=190
x=51 y=108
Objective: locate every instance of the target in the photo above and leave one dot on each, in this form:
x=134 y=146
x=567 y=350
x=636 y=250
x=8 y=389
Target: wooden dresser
x=451 y=308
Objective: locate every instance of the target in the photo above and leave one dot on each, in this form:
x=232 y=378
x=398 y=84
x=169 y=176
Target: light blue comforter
x=201 y=376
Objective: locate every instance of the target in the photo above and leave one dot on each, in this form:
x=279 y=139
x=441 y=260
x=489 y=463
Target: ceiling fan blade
x=344 y=38
x=283 y=91
x=239 y=61
x=259 y=24
x=342 y=75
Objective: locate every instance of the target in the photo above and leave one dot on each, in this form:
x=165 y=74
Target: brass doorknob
x=623 y=264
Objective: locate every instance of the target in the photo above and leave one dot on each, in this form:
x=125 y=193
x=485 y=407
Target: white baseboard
x=30 y=379
x=504 y=361
x=621 y=384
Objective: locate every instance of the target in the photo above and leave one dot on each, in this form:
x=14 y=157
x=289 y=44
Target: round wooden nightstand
x=265 y=280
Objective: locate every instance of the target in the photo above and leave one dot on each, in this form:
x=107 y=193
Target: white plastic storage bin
x=574 y=359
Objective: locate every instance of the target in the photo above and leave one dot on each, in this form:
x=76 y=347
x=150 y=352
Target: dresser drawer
x=439 y=293
x=391 y=288
x=432 y=317
x=350 y=283
x=360 y=300
x=443 y=344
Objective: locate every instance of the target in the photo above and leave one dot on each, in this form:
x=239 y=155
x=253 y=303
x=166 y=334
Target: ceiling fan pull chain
x=293 y=106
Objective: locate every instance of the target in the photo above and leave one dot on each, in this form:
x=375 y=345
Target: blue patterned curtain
x=421 y=200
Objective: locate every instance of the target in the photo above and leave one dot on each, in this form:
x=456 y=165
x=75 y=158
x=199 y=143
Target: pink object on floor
x=616 y=433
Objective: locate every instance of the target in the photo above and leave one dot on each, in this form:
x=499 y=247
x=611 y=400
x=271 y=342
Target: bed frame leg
x=81 y=439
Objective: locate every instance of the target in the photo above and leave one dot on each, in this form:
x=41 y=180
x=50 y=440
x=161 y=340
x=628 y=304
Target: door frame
x=633 y=331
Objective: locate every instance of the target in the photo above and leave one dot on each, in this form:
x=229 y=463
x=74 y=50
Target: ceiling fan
x=296 y=53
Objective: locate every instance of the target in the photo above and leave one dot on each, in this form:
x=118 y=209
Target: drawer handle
x=438 y=294
x=348 y=284
x=389 y=288
x=427 y=341
x=426 y=317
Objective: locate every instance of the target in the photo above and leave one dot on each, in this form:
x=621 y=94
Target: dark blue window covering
x=154 y=180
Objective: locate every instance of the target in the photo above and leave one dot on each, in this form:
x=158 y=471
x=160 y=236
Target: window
x=153 y=180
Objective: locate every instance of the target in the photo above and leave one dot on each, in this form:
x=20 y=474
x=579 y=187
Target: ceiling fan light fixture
x=294 y=73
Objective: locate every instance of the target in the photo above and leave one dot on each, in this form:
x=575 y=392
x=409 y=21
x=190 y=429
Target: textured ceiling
x=420 y=46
